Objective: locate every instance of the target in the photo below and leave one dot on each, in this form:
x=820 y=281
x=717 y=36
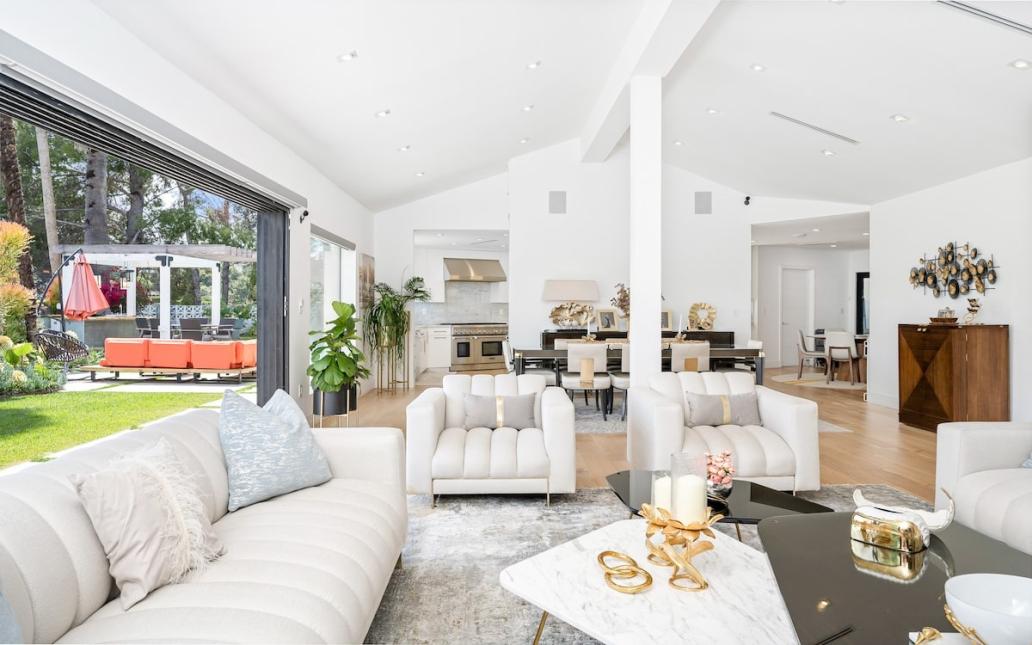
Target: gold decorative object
x=702 y=316
x=629 y=570
x=896 y=527
x=966 y=631
x=954 y=270
x=680 y=544
x=572 y=314
x=927 y=635
x=887 y=564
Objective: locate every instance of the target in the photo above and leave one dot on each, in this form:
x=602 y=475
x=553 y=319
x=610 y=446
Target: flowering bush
x=15 y=302
x=719 y=469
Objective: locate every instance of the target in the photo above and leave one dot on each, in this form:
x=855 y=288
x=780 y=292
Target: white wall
x=832 y=279
x=993 y=211
x=118 y=60
x=589 y=242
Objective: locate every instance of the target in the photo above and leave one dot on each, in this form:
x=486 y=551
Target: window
x=333 y=277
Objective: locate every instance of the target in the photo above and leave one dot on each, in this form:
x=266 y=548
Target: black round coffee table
x=748 y=502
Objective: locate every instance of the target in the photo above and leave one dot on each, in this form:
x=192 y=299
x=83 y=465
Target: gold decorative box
x=887 y=563
x=898 y=533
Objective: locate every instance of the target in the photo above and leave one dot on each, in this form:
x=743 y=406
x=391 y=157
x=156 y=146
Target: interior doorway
x=797 y=310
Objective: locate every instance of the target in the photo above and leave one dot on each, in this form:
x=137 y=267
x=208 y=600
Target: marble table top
x=741 y=605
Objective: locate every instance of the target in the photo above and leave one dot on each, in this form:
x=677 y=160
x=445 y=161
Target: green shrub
x=34 y=378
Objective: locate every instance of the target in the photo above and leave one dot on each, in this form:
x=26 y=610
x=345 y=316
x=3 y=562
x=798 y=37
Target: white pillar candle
x=689 y=499
x=661 y=492
x=680 y=323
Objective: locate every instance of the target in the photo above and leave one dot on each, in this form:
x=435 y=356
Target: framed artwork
x=666 y=321
x=366 y=280
x=606 y=319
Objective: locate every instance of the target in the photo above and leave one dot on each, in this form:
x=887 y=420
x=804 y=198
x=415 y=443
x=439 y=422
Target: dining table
x=555 y=357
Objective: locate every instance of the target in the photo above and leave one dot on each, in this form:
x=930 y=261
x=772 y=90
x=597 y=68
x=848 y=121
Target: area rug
x=811 y=379
x=588 y=420
x=447 y=590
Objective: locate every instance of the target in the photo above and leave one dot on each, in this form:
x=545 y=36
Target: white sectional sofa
x=979 y=464
x=310 y=566
x=445 y=458
x=783 y=453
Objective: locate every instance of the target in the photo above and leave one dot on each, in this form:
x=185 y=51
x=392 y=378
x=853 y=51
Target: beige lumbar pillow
x=150 y=519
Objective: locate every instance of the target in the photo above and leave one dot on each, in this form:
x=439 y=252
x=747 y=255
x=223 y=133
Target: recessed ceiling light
x=405 y=148
x=815 y=230
x=351 y=55
x=536 y=64
x=440 y=235
x=866 y=234
x=524 y=140
x=834 y=246
x=528 y=108
x=828 y=153
x=420 y=173
x=480 y=239
x=713 y=111
x=678 y=143
x=900 y=118
x=505 y=235
x=383 y=113
x=1020 y=63
x=756 y=67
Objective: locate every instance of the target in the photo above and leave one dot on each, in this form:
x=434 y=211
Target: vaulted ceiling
x=456 y=76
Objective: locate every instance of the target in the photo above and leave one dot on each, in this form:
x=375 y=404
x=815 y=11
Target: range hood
x=470 y=270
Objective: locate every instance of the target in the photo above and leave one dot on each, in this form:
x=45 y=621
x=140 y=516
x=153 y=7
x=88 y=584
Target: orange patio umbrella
x=84 y=297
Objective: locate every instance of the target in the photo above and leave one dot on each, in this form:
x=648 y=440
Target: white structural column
x=646 y=226
x=130 y=293
x=165 y=300
x=216 y=294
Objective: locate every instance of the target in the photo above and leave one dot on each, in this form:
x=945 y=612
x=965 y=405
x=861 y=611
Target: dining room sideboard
x=715 y=338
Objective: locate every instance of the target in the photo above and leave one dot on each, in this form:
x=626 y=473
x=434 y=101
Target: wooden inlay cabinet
x=953 y=373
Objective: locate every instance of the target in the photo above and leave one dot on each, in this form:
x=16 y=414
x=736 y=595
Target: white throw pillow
x=150 y=519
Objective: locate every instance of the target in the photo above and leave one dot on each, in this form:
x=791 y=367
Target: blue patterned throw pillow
x=10 y=631
x=269 y=451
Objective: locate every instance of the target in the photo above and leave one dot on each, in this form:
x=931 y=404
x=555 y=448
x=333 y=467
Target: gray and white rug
x=448 y=589
x=588 y=420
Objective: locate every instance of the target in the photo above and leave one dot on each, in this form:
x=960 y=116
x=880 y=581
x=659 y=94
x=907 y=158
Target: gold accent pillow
x=722 y=409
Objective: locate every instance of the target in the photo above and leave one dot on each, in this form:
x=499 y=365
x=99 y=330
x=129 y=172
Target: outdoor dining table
x=751 y=355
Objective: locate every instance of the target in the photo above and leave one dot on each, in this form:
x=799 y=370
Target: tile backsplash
x=463 y=302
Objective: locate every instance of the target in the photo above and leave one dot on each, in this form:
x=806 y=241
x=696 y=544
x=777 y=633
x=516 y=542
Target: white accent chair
x=979 y=464
x=783 y=453
x=804 y=351
x=840 y=347
x=699 y=350
x=443 y=458
x=622 y=380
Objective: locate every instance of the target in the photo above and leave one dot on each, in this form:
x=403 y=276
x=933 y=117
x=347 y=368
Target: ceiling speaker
x=704 y=202
x=556 y=202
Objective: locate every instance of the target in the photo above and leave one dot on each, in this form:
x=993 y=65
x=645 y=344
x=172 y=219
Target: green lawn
x=33 y=426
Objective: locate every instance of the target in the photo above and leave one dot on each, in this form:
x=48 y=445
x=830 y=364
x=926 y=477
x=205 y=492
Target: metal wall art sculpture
x=955 y=270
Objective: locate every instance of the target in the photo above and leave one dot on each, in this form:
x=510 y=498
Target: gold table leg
x=541 y=627
x=738 y=530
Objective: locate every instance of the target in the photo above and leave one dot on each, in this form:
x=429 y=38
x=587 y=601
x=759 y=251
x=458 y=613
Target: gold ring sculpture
x=627 y=571
x=680 y=544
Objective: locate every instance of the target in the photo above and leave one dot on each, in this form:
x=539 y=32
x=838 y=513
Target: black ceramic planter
x=336 y=402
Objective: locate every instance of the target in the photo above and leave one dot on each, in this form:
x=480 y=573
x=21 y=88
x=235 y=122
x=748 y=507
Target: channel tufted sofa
x=309 y=566
x=781 y=453
x=445 y=458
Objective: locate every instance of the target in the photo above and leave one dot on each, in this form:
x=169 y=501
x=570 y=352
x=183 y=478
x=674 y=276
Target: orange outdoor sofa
x=185 y=355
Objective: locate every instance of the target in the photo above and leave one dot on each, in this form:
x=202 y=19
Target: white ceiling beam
x=662 y=32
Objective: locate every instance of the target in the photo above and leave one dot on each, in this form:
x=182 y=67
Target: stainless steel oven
x=478 y=346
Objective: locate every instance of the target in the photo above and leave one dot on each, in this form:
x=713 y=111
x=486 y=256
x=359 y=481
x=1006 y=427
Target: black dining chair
x=143 y=328
x=191 y=328
x=227 y=329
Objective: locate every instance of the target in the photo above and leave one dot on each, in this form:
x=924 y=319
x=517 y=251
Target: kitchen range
x=478 y=346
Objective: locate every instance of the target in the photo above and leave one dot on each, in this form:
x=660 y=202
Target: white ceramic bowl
x=996 y=606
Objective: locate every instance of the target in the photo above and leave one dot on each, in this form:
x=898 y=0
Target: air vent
x=556 y=202
x=815 y=128
x=704 y=203
x=992 y=17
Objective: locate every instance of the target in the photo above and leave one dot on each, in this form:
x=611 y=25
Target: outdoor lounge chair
x=191 y=328
x=59 y=346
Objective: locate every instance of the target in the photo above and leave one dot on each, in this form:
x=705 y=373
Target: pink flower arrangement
x=719 y=469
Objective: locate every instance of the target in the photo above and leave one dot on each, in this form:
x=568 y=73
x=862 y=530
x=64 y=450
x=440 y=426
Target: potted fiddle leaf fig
x=337 y=363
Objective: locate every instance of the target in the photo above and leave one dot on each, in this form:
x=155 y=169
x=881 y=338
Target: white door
x=796 y=311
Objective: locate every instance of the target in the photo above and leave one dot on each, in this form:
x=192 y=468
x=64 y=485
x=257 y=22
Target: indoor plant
x=337 y=363
x=386 y=325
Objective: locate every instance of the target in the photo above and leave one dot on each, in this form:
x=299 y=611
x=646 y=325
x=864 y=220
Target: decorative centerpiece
x=688 y=487
x=572 y=315
x=681 y=542
x=720 y=471
x=702 y=316
x=896 y=527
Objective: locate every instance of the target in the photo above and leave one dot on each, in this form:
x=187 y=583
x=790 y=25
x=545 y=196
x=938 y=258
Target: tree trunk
x=137 y=184
x=46 y=176
x=226 y=301
x=96 y=198
x=15 y=200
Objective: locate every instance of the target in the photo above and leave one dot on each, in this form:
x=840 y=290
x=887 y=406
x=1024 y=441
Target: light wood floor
x=879 y=450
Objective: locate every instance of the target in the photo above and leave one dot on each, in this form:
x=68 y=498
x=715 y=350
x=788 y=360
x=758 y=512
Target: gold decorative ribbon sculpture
x=628 y=571
x=680 y=544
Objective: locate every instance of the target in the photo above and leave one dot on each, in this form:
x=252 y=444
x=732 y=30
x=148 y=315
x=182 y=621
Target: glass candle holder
x=661 y=490
x=688 y=487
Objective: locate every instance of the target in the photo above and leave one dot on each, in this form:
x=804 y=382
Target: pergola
x=163 y=257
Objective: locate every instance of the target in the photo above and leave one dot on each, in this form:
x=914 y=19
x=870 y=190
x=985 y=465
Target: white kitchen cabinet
x=438 y=346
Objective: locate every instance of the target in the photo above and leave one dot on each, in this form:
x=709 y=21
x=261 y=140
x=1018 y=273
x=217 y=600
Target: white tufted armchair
x=443 y=458
x=782 y=453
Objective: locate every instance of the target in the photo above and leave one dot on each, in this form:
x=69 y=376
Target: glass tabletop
x=748 y=502
x=838 y=590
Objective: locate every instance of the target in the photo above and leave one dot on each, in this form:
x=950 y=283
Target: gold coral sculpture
x=702 y=316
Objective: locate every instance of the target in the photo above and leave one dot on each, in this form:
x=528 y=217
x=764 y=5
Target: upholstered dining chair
x=586 y=365
x=622 y=379
x=840 y=347
x=699 y=350
x=805 y=352
x=510 y=365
